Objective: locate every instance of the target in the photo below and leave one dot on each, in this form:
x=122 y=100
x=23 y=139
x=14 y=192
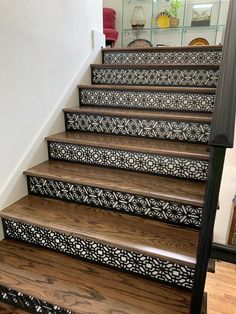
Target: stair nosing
x=140 y=114
x=171 y=89
x=146 y=250
x=112 y=146
x=155 y=66
x=161 y=48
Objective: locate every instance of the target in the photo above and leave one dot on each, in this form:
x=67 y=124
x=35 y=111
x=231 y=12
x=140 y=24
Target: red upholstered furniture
x=109 y=18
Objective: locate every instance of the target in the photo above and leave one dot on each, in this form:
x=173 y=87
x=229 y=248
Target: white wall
x=117 y=6
x=227 y=192
x=46 y=49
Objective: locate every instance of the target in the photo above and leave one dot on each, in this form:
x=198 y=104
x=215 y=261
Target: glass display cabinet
x=173 y=22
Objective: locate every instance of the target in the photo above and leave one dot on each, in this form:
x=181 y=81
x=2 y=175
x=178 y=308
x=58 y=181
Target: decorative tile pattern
x=161 y=270
x=163 y=57
x=120 y=201
x=171 y=130
x=155 y=77
x=28 y=303
x=152 y=163
x=147 y=99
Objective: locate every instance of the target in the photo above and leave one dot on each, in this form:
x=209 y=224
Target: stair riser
x=163 y=57
x=28 y=303
x=187 y=168
x=172 y=130
x=153 y=100
x=158 y=209
x=189 y=77
x=98 y=252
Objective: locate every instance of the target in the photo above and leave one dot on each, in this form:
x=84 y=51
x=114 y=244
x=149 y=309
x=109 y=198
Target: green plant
x=174 y=6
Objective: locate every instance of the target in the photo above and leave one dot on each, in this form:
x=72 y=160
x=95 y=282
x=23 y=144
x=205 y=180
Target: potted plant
x=173 y=11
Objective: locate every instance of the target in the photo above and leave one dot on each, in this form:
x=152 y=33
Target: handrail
x=222 y=129
x=221 y=137
x=226 y=253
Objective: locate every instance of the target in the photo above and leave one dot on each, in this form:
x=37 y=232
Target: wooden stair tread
x=165 y=48
x=8 y=309
x=133 y=144
x=155 y=66
x=143 y=114
x=136 y=234
x=82 y=287
x=178 y=89
x=177 y=190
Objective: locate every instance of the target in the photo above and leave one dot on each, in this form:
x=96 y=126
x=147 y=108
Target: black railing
x=226 y=253
x=222 y=136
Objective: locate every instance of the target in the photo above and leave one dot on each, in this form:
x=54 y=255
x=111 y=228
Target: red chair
x=109 y=18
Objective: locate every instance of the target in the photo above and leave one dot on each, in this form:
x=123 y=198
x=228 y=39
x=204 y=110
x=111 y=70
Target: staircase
x=112 y=220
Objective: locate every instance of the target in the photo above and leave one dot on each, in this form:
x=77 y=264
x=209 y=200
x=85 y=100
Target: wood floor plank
x=144 y=114
x=221 y=289
x=82 y=287
x=133 y=144
x=177 y=190
x=135 y=234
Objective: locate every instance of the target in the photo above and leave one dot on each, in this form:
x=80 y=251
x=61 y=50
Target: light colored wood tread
x=155 y=66
x=145 y=236
x=133 y=144
x=8 y=309
x=84 y=287
x=179 y=48
x=172 y=189
x=177 y=89
x=143 y=114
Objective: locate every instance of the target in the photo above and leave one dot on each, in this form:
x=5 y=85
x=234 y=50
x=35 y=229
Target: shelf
x=181 y=35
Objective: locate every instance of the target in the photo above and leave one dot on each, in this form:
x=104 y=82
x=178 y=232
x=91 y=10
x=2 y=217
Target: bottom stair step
x=9 y=309
x=55 y=283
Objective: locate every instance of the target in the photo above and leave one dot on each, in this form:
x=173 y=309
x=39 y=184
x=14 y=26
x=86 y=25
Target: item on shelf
x=199 y=42
x=173 y=11
x=138 y=18
x=140 y=43
x=163 y=19
x=201 y=14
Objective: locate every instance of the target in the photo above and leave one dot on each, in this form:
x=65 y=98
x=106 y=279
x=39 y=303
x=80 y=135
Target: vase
x=138 y=18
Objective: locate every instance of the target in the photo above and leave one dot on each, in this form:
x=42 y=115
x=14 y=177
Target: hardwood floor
x=221 y=289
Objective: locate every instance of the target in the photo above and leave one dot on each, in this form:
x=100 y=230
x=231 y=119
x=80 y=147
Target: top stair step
x=164 y=55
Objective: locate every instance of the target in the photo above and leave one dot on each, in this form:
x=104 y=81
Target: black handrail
x=221 y=137
x=222 y=130
x=226 y=253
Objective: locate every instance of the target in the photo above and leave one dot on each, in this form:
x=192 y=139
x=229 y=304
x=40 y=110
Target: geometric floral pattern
x=196 y=77
x=140 y=264
x=163 y=57
x=28 y=303
x=172 y=130
x=195 y=102
x=188 y=168
x=166 y=211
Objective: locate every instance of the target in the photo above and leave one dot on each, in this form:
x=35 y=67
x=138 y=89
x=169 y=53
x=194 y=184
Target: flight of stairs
x=112 y=219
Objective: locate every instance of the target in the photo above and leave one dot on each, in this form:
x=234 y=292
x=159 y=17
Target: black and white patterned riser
x=137 y=263
x=180 y=167
x=148 y=207
x=162 y=56
x=28 y=303
x=153 y=100
x=199 y=76
x=172 y=130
